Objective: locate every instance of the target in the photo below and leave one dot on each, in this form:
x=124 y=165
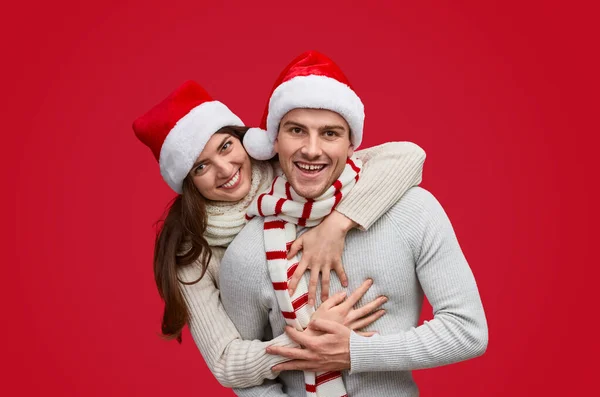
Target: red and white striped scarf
x=284 y=210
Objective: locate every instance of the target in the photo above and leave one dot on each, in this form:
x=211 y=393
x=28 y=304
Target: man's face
x=313 y=146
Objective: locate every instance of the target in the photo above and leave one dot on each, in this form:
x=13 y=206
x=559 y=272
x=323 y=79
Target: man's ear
x=350 y=150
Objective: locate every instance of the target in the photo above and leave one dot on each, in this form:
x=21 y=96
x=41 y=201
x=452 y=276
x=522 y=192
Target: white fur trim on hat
x=186 y=140
x=317 y=92
x=258 y=144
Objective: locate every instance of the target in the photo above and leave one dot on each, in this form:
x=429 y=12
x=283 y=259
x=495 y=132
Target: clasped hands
x=325 y=343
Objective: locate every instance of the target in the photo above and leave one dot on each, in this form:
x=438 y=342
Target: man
x=314 y=122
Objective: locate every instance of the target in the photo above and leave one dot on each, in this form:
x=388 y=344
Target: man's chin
x=309 y=192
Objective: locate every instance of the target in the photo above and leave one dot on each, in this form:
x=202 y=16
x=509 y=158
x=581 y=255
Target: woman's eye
x=200 y=167
x=226 y=146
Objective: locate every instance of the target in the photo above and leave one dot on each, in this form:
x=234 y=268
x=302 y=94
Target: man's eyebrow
x=197 y=163
x=332 y=127
x=290 y=123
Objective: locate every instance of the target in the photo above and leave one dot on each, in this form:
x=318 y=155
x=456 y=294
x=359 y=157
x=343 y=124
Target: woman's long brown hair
x=180 y=242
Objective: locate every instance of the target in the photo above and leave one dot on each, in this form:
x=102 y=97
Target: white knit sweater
x=389 y=170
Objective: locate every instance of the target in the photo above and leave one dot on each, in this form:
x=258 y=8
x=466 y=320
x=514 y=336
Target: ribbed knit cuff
x=374 y=353
x=282 y=340
x=360 y=355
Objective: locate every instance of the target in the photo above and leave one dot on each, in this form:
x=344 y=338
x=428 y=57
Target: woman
x=198 y=144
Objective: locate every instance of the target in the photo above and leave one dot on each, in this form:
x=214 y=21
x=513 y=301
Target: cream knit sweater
x=389 y=170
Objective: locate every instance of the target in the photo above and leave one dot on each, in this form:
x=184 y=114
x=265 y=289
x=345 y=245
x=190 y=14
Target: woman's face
x=223 y=170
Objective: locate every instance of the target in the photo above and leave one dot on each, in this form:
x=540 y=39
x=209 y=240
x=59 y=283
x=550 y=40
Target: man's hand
x=326 y=348
x=326 y=340
x=322 y=248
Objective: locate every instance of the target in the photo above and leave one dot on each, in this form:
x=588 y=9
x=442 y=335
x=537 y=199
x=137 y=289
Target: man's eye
x=296 y=130
x=330 y=133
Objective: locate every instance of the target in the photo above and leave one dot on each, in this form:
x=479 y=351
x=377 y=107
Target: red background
x=503 y=97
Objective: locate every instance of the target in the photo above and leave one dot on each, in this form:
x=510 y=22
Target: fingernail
x=275 y=368
x=291 y=291
x=370 y=281
x=384 y=299
x=311 y=302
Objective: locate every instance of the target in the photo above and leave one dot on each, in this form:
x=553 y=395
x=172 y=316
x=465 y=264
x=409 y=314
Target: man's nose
x=312 y=146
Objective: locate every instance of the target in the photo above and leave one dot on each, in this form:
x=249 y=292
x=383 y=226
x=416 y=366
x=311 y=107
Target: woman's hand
x=322 y=248
x=342 y=312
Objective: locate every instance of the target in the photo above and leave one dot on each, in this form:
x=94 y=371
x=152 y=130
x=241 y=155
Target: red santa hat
x=177 y=129
x=311 y=81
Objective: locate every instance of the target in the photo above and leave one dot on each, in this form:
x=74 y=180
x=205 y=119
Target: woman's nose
x=224 y=168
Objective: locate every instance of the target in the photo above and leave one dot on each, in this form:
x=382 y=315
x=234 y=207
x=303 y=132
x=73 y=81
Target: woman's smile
x=232 y=182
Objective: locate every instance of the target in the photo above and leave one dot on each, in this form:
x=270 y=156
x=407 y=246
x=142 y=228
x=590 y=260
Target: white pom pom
x=258 y=145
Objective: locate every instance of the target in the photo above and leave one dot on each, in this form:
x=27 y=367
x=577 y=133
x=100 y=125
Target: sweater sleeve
x=233 y=361
x=245 y=285
x=389 y=170
x=458 y=330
